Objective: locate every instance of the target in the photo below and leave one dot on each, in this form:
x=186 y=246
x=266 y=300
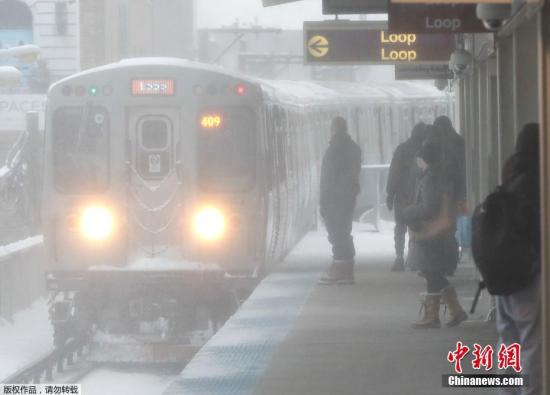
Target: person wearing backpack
x=401 y=185
x=433 y=248
x=506 y=249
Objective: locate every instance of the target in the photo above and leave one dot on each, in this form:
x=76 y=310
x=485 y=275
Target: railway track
x=81 y=357
x=70 y=365
x=56 y=361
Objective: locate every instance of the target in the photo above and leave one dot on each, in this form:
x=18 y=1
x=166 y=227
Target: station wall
x=496 y=98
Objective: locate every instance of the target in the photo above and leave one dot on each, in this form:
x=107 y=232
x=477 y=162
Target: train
x=167 y=180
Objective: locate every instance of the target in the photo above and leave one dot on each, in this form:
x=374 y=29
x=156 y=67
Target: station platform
x=293 y=336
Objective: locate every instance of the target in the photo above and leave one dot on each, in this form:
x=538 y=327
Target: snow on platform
x=25 y=339
x=19 y=246
x=293 y=336
x=234 y=360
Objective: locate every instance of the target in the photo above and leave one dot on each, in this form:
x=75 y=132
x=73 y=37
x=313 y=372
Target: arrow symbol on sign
x=318 y=46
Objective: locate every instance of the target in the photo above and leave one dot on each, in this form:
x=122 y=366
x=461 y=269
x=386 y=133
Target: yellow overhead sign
x=339 y=42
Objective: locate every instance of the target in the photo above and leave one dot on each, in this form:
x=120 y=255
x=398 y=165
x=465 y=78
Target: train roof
x=155 y=61
x=298 y=92
x=393 y=90
x=309 y=92
x=292 y=92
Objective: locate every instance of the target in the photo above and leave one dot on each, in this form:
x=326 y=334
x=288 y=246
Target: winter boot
x=398 y=265
x=339 y=272
x=348 y=276
x=430 y=307
x=456 y=311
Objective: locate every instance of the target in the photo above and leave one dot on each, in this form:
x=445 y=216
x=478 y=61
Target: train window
x=281 y=156
x=282 y=132
x=154 y=134
x=154 y=151
x=226 y=156
x=81 y=149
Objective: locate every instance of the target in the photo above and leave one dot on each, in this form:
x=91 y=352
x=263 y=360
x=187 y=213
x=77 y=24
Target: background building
x=111 y=30
x=52 y=25
x=74 y=35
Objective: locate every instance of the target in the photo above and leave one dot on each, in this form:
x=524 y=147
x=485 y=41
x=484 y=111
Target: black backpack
x=506 y=257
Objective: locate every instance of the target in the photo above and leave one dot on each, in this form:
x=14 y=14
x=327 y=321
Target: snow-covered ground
x=368 y=242
x=29 y=336
x=20 y=245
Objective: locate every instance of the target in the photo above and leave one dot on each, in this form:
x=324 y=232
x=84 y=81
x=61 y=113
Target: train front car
x=151 y=194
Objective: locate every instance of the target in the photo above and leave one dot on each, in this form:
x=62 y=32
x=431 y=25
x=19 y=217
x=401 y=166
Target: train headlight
x=209 y=223
x=97 y=223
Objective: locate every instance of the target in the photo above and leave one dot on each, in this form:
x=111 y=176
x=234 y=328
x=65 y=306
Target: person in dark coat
x=401 y=185
x=454 y=159
x=340 y=172
x=431 y=229
x=519 y=314
x=454 y=153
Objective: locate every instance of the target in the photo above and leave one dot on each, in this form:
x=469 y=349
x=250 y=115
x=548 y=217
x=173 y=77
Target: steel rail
x=45 y=366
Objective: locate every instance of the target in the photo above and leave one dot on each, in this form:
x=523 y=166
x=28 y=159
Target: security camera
x=493 y=15
x=460 y=60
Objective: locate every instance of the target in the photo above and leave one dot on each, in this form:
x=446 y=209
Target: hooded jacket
x=454 y=152
x=404 y=171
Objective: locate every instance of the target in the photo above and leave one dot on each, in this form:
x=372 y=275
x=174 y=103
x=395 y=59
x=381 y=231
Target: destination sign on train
x=371 y=43
x=148 y=87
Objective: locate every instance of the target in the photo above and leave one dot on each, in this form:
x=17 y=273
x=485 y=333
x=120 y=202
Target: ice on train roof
x=315 y=92
x=155 y=61
x=394 y=90
x=409 y=89
x=300 y=92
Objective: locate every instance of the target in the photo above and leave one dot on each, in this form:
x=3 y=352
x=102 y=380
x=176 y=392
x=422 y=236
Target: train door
x=282 y=181
x=293 y=184
x=277 y=173
x=153 y=137
x=356 y=125
x=270 y=185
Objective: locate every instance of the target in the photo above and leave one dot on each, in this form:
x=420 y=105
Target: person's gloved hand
x=389 y=202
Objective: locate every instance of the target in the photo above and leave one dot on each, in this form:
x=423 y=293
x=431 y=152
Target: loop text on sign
x=389 y=54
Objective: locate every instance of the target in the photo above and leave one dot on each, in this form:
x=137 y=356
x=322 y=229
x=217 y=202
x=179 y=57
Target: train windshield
x=226 y=157
x=81 y=149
